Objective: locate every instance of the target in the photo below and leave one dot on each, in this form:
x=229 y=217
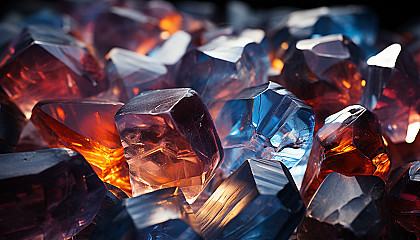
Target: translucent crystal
x=266 y=122
x=258 y=201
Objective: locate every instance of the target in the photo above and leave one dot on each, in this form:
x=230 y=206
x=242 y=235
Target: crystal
x=162 y=214
x=169 y=140
x=138 y=73
x=47 y=17
x=327 y=73
x=173 y=48
x=393 y=93
x=125 y=28
x=47 y=194
x=89 y=128
x=346 y=208
x=30 y=140
x=266 y=122
x=8 y=31
x=223 y=67
x=258 y=201
x=356 y=22
x=404 y=199
x=349 y=143
x=43 y=63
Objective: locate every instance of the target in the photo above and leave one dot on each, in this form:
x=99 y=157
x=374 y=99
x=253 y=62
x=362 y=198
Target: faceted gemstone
x=47 y=194
x=137 y=73
x=125 y=28
x=169 y=140
x=393 y=93
x=223 y=67
x=266 y=122
x=346 y=208
x=405 y=199
x=356 y=22
x=162 y=214
x=89 y=128
x=349 y=143
x=258 y=201
x=43 y=63
x=326 y=73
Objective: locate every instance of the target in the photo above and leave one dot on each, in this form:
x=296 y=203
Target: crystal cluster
x=126 y=119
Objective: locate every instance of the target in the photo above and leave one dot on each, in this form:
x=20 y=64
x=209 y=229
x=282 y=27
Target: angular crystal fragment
x=404 y=199
x=138 y=73
x=125 y=28
x=223 y=67
x=327 y=73
x=346 y=208
x=393 y=93
x=43 y=63
x=172 y=49
x=169 y=140
x=349 y=143
x=47 y=194
x=266 y=122
x=259 y=201
x=89 y=128
x=162 y=214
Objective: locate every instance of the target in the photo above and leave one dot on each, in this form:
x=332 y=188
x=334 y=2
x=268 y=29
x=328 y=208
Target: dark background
x=393 y=15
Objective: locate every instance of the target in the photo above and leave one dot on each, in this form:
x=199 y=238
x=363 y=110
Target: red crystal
x=87 y=127
x=42 y=63
x=349 y=143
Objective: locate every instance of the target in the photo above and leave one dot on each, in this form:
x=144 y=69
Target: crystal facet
x=12 y=122
x=326 y=73
x=138 y=73
x=405 y=199
x=47 y=194
x=346 y=208
x=223 y=67
x=43 y=63
x=162 y=214
x=258 y=201
x=393 y=93
x=266 y=122
x=169 y=140
x=349 y=143
x=89 y=128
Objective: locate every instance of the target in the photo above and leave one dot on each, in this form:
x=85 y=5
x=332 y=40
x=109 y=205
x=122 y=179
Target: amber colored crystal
x=87 y=127
x=349 y=143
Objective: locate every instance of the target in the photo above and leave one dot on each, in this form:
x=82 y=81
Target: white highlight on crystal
x=412 y=130
x=387 y=57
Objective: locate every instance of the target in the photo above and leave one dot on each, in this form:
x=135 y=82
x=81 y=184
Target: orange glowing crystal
x=88 y=127
x=349 y=143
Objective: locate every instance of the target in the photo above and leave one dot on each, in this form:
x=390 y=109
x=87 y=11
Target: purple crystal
x=47 y=194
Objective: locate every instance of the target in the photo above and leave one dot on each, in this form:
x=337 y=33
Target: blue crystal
x=223 y=67
x=162 y=214
x=266 y=122
x=49 y=18
x=258 y=201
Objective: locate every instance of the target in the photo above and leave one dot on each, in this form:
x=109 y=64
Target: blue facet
x=162 y=214
x=266 y=122
x=223 y=67
x=258 y=201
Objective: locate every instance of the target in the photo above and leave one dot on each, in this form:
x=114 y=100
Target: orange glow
x=146 y=46
x=346 y=84
x=61 y=113
x=284 y=45
x=363 y=83
x=165 y=35
x=171 y=23
x=277 y=64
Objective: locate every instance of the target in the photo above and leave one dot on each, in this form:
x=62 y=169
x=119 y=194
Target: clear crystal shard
x=266 y=122
x=162 y=214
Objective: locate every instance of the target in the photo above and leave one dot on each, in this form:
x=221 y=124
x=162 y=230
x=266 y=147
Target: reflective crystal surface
x=138 y=73
x=89 y=128
x=47 y=194
x=162 y=214
x=169 y=140
x=266 y=122
x=393 y=93
x=356 y=22
x=327 y=73
x=258 y=201
x=349 y=143
x=43 y=63
x=405 y=199
x=223 y=67
x=346 y=208
x=173 y=48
